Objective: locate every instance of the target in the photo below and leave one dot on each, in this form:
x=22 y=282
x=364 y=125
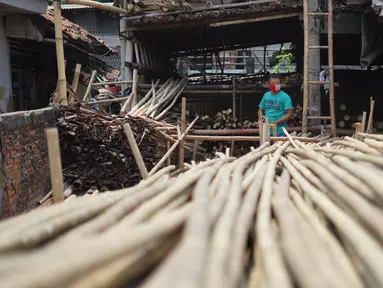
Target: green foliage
x=283 y=60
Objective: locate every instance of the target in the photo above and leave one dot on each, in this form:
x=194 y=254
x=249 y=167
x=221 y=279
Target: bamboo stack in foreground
x=293 y=214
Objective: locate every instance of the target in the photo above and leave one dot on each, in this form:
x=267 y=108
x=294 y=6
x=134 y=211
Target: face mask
x=274 y=88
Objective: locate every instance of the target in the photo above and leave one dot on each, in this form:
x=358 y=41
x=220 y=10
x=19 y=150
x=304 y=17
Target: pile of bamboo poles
x=97 y=155
x=157 y=102
x=293 y=214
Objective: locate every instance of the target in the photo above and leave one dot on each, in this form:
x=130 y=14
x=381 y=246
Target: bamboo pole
x=183 y=127
x=250 y=138
x=89 y=89
x=123 y=41
x=331 y=67
x=60 y=54
x=76 y=77
x=174 y=146
x=364 y=118
x=98 y=5
x=55 y=164
x=358 y=129
x=234 y=111
x=136 y=152
x=134 y=87
x=371 y=116
x=305 y=66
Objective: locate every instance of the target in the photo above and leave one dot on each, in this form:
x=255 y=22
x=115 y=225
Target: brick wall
x=24 y=177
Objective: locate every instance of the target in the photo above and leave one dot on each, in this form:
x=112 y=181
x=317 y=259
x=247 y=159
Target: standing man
x=276 y=106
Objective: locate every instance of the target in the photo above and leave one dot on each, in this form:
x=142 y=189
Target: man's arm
x=286 y=118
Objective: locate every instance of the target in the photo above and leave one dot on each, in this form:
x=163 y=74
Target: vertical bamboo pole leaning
x=358 y=129
x=134 y=87
x=260 y=128
x=364 y=118
x=183 y=127
x=60 y=54
x=55 y=164
x=136 y=151
x=234 y=111
x=331 y=68
x=371 y=116
x=88 y=92
x=76 y=77
x=305 y=66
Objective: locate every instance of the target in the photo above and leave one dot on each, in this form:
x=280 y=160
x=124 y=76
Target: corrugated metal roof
x=77 y=6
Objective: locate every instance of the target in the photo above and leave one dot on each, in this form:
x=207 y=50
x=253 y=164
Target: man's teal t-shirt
x=275 y=106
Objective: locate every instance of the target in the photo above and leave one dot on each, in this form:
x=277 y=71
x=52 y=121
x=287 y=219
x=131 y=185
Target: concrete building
x=11 y=7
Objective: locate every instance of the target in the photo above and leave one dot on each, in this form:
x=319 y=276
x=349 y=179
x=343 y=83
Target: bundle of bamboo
x=317 y=210
x=155 y=104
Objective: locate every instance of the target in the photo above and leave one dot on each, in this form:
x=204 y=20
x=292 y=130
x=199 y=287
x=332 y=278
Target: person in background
x=276 y=106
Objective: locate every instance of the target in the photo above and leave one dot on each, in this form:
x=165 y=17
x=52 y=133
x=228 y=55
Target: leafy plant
x=284 y=61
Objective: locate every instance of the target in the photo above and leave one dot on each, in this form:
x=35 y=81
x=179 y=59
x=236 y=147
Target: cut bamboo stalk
x=352 y=182
x=302 y=253
x=60 y=55
x=134 y=87
x=136 y=152
x=48 y=195
x=55 y=164
x=363 y=127
x=244 y=221
x=334 y=247
x=289 y=137
x=76 y=77
x=270 y=256
x=88 y=92
x=368 y=214
x=358 y=129
x=68 y=191
x=358 y=237
x=378 y=145
x=174 y=146
x=127 y=242
x=183 y=127
x=358 y=146
x=371 y=116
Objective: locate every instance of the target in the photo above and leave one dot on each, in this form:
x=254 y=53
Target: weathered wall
x=25 y=168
